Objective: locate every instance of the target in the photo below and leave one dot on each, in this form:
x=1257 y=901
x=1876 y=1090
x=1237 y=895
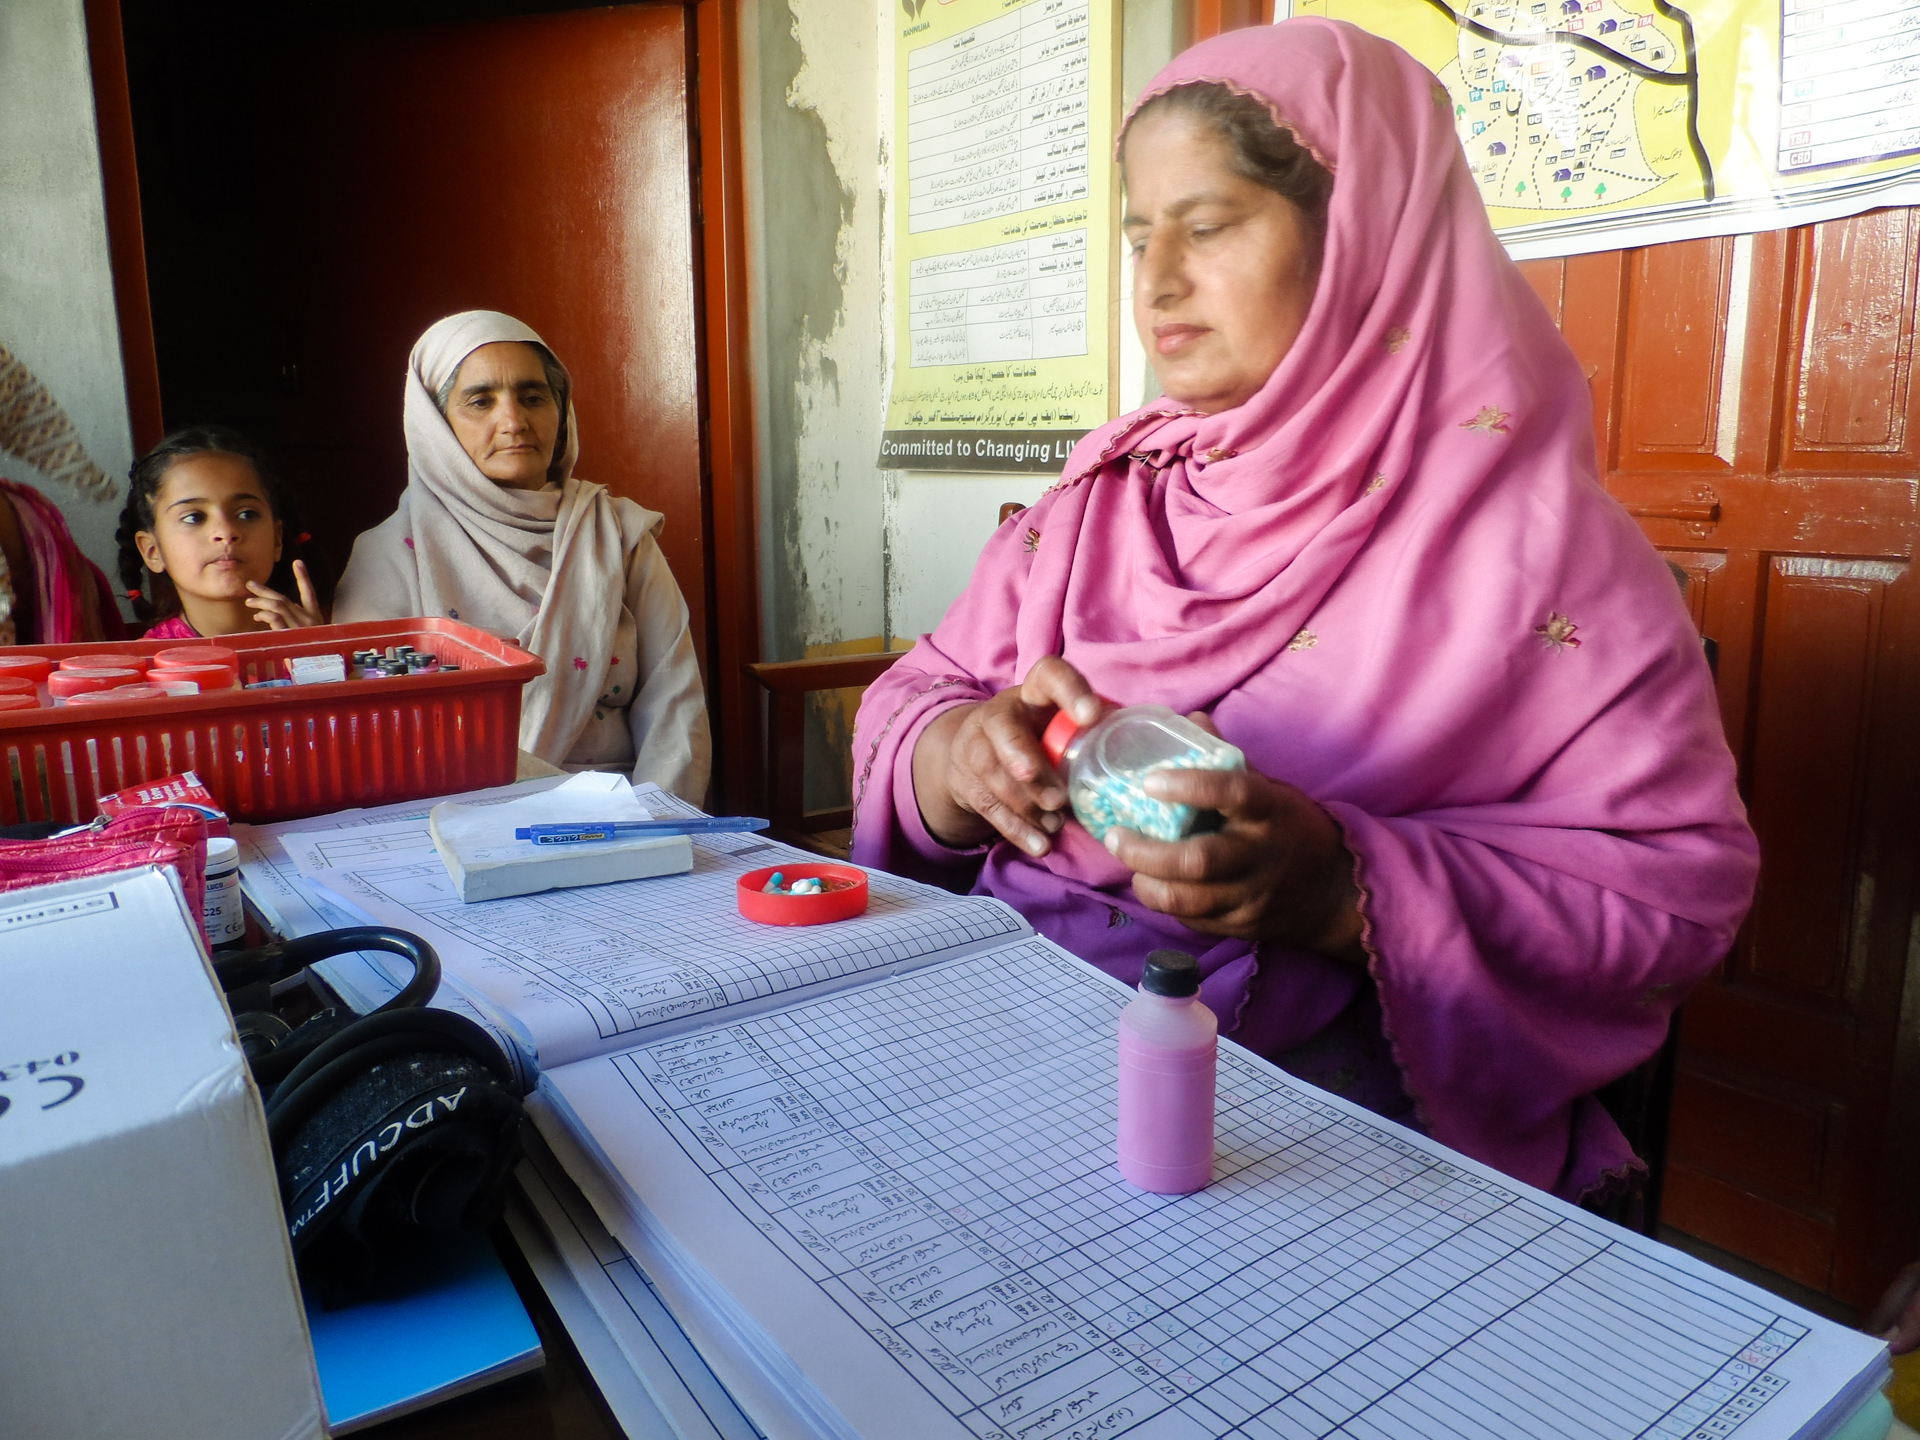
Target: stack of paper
x=868 y=1167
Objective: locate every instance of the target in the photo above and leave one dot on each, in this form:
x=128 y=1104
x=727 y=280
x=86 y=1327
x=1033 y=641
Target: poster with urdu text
x=1003 y=232
x=1598 y=124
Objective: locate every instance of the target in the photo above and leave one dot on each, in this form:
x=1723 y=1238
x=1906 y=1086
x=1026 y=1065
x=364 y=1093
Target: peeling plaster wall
x=854 y=557
x=56 y=283
x=815 y=177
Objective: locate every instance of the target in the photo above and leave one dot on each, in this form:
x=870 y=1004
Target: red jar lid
x=119 y=695
x=68 y=683
x=16 y=685
x=208 y=677
x=182 y=656
x=26 y=667
x=1060 y=731
x=19 y=702
x=106 y=662
x=843 y=903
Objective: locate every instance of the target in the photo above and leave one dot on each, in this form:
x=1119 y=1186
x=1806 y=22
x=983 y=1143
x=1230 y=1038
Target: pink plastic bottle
x=1168 y=1039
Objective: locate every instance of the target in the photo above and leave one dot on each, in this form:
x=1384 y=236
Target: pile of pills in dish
x=1117 y=797
x=777 y=884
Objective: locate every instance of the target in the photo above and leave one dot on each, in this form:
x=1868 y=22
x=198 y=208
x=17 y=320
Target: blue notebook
x=461 y=1327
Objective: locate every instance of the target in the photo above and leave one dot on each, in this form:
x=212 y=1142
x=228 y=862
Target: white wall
x=56 y=285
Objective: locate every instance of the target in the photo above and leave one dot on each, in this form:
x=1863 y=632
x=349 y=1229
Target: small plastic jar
x=139 y=663
x=26 y=667
x=12 y=701
x=18 y=685
x=222 y=914
x=208 y=677
x=119 y=695
x=65 y=684
x=1106 y=765
x=180 y=655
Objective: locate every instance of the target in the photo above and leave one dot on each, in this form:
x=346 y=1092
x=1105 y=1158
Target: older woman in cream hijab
x=494 y=529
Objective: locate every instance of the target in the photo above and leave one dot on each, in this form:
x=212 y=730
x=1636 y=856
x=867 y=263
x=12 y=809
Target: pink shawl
x=72 y=598
x=1395 y=581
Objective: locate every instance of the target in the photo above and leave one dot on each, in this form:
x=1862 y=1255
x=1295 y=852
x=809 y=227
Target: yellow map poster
x=1595 y=124
x=1004 y=232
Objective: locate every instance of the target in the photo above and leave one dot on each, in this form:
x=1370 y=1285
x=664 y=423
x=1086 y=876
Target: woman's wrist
x=1338 y=935
x=947 y=822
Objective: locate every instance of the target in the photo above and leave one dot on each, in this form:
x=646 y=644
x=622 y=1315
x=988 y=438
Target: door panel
x=1853 y=348
x=1675 y=350
x=538 y=166
x=1754 y=412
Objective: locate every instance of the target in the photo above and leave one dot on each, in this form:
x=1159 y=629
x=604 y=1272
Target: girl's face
x=213 y=529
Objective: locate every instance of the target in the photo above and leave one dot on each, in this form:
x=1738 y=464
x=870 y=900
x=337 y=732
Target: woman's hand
x=979 y=769
x=1277 y=870
x=1896 y=1319
x=275 y=611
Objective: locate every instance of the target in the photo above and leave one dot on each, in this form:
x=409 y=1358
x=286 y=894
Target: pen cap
x=1173 y=973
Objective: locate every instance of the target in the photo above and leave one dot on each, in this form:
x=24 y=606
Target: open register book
x=869 y=1168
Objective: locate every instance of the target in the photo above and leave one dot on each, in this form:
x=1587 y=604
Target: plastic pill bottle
x=223 y=916
x=1106 y=764
x=1169 y=1042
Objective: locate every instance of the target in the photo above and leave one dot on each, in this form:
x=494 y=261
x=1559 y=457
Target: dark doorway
x=319 y=183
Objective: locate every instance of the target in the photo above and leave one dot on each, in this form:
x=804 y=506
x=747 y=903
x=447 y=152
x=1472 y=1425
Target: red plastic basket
x=283 y=753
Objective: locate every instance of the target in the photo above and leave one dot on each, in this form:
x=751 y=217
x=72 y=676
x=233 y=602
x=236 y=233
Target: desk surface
x=558 y=1402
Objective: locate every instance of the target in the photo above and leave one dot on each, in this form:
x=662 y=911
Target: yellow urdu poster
x=1004 y=250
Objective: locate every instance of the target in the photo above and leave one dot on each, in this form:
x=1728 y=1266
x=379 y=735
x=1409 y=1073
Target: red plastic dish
x=764 y=909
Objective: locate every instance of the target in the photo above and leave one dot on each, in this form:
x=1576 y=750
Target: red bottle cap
x=1063 y=727
x=68 y=683
x=19 y=702
x=207 y=677
x=181 y=656
x=750 y=893
x=17 y=685
x=106 y=662
x=119 y=695
x=26 y=667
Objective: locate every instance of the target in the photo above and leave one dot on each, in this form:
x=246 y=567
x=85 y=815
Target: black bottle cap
x=1173 y=973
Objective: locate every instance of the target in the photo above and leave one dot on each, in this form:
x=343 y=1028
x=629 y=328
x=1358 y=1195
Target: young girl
x=202 y=536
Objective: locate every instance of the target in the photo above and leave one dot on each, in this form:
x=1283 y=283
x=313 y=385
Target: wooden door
x=538 y=165
x=1755 y=410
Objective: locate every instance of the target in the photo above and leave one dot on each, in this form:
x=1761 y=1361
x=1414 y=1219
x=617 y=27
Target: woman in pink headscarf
x=1488 y=836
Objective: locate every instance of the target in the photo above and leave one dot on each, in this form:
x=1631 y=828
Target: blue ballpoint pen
x=582 y=831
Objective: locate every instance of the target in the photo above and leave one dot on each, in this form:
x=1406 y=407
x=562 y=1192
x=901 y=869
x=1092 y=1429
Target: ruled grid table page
x=908 y=1191
x=583 y=971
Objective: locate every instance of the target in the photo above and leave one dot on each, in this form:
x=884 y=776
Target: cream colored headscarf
x=545 y=566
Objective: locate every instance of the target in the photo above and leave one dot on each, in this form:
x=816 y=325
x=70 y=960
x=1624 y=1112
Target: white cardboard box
x=146 y=1283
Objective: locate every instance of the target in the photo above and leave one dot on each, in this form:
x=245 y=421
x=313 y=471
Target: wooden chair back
x=788 y=683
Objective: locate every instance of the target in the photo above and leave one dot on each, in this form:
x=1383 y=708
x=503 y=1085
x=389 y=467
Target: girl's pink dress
x=1394 y=580
x=175 y=629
